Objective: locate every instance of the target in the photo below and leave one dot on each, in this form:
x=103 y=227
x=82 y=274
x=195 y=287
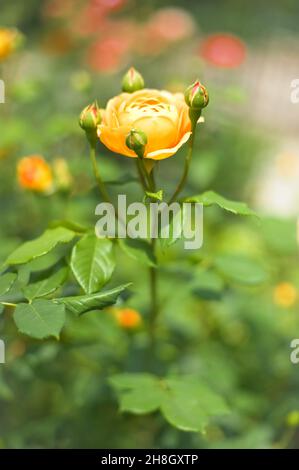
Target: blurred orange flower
x=128 y=318
x=285 y=294
x=7 y=42
x=223 y=50
x=57 y=41
x=35 y=174
x=162 y=116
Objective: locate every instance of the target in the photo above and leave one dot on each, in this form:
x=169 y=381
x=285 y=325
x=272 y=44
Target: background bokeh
x=237 y=336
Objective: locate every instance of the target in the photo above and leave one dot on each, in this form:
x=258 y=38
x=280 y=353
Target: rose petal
x=165 y=153
x=115 y=139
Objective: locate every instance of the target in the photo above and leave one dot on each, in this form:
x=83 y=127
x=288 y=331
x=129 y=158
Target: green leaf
x=40 y=319
x=138 y=249
x=47 y=261
x=92 y=262
x=139 y=393
x=208 y=285
x=157 y=196
x=85 y=303
x=241 y=269
x=185 y=402
x=210 y=198
x=6 y=281
x=69 y=224
x=14 y=294
x=46 y=286
x=41 y=245
x=188 y=404
x=23 y=274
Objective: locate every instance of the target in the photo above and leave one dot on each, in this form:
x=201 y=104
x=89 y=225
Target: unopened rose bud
x=136 y=140
x=132 y=81
x=196 y=96
x=89 y=120
x=90 y=117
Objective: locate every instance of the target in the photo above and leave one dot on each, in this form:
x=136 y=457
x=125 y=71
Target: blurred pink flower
x=167 y=25
x=62 y=8
x=106 y=55
x=223 y=50
x=171 y=24
x=110 y=51
x=109 y=5
x=88 y=20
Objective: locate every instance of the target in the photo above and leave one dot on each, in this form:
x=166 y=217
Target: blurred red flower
x=223 y=50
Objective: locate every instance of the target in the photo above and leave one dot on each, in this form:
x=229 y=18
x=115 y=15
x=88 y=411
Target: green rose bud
x=136 y=140
x=196 y=96
x=90 y=117
x=89 y=120
x=132 y=81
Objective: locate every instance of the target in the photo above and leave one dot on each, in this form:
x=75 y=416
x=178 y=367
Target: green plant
x=65 y=270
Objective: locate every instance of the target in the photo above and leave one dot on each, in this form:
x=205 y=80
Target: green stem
x=184 y=177
x=101 y=184
x=8 y=304
x=194 y=116
x=152 y=180
x=99 y=180
x=147 y=177
x=153 y=274
x=141 y=175
x=148 y=183
x=154 y=308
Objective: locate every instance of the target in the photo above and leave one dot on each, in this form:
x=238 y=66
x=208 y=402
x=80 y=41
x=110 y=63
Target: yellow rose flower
x=35 y=174
x=162 y=116
x=7 y=42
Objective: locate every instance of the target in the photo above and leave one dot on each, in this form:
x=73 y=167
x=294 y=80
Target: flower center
x=147 y=108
